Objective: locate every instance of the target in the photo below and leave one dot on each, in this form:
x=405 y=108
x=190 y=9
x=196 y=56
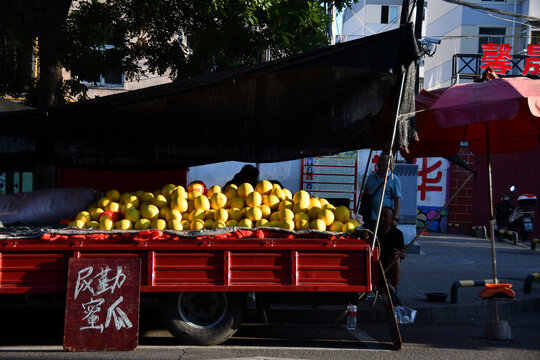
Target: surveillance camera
x=433 y=40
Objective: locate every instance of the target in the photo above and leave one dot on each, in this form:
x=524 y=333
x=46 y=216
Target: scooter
x=518 y=219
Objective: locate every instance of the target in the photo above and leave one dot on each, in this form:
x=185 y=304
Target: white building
x=368 y=17
x=463 y=29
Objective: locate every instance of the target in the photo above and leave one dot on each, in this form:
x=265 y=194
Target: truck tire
x=203 y=318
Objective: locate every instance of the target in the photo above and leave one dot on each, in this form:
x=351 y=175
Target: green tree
x=182 y=38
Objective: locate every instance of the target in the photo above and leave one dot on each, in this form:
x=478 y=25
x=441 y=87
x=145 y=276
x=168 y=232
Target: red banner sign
x=498 y=58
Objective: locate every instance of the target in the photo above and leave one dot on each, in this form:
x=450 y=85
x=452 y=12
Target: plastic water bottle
x=351 y=317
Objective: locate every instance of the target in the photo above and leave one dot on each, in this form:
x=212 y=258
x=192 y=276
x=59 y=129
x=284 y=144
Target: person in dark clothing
x=248 y=174
x=391 y=245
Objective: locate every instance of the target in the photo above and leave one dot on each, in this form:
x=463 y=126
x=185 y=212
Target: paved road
x=443 y=330
x=298 y=341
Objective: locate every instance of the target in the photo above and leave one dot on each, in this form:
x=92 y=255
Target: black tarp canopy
x=334 y=99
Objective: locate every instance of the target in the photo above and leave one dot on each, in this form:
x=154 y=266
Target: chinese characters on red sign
x=102 y=304
x=498 y=58
x=96 y=285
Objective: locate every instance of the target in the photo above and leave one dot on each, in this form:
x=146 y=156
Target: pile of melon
x=195 y=208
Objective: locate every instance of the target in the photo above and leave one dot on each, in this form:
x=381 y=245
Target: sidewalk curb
x=459 y=313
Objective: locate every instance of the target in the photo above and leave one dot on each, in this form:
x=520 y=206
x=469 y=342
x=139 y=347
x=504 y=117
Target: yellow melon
x=254 y=199
x=254 y=213
x=123 y=224
x=275 y=216
x=287 y=224
x=159 y=201
x=245 y=223
x=150 y=212
x=197 y=214
x=213 y=190
x=230 y=191
x=112 y=206
x=209 y=214
x=317 y=224
x=179 y=204
x=266 y=211
x=285 y=204
x=278 y=192
x=264 y=187
x=218 y=200
x=235 y=214
x=271 y=201
x=84 y=216
x=219 y=224
x=198 y=224
x=78 y=223
x=237 y=202
x=105 y=223
x=92 y=225
x=113 y=195
x=209 y=223
x=146 y=197
x=349 y=227
x=175 y=224
x=166 y=190
x=314 y=202
x=173 y=214
x=274 y=224
x=327 y=216
x=159 y=224
x=302 y=224
x=185 y=224
x=245 y=189
x=261 y=222
x=221 y=215
x=142 y=224
x=286 y=214
x=132 y=215
x=336 y=226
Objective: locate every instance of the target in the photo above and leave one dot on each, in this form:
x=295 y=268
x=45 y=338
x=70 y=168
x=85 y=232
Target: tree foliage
x=185 y=38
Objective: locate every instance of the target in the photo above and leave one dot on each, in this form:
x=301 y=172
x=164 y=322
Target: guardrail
x=479 y=231
x=528 y=282
x=501 y=234
x=466 y=283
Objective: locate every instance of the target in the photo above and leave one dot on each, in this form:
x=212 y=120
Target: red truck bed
x=171 y=262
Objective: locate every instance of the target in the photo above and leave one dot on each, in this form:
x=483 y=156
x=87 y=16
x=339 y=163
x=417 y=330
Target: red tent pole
x=491 y=217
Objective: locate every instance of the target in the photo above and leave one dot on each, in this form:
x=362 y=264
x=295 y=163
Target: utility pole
x=419 y=18
x=404 y=12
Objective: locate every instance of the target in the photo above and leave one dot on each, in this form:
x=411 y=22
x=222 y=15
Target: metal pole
x=364 y=180
x=491 y=217
x=394 y=130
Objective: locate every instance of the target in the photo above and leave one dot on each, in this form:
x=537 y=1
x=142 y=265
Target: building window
x=535 y=37
x=13 y=182
x=490 y=35
x=389 y=14
x=111 y=77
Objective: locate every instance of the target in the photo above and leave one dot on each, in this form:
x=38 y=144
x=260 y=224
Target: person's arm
x=397 y=206
x=401 y=247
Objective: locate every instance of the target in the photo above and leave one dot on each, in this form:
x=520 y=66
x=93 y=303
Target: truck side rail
x=171 y=262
